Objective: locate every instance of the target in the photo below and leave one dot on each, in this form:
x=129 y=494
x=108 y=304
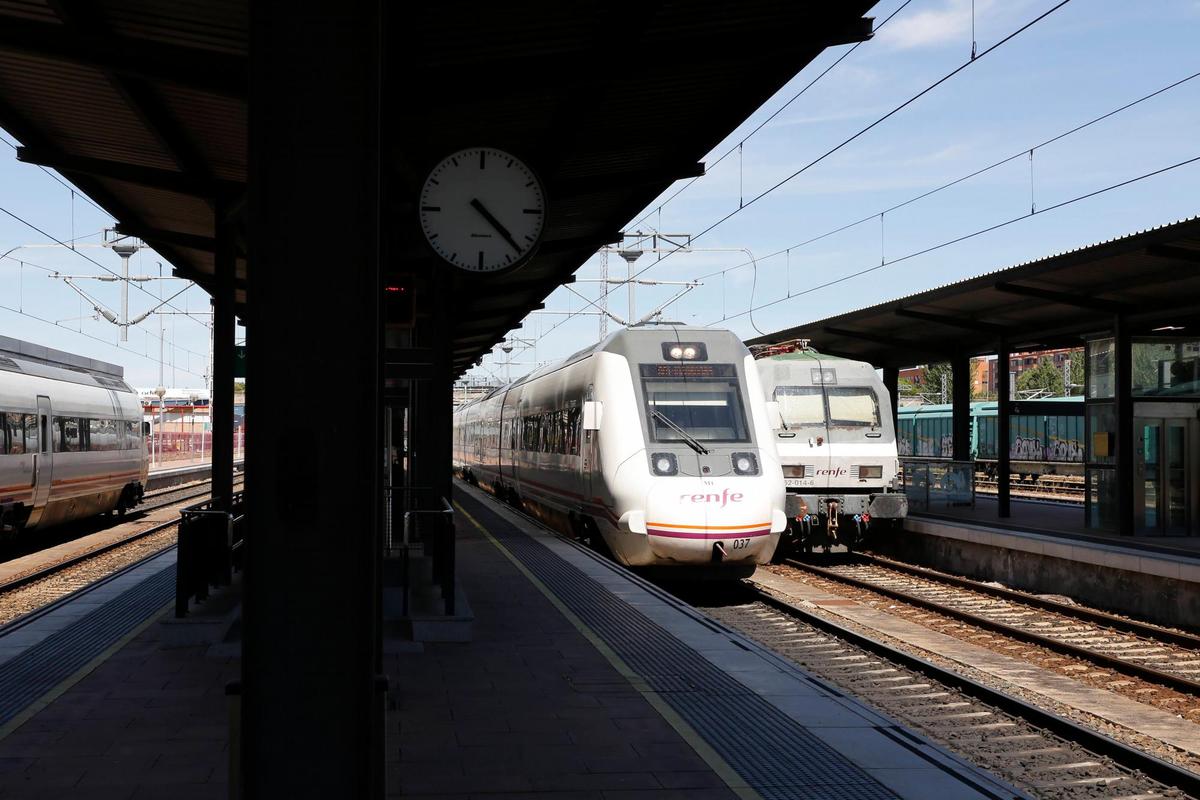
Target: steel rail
x=1083 y=613
x=79 y=558
x=1099 y=743
x=1176 y=682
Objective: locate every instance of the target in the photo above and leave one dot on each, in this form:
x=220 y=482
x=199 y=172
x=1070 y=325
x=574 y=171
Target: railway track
x=1157 y=655
x=35 y=591
x=1038 y=750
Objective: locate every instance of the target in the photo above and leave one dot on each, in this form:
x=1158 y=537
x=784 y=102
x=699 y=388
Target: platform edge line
x=41 y=703
x=689 y=734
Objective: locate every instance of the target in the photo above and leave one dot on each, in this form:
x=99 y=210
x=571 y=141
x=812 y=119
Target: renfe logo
x=834 y=473
x=724 y=498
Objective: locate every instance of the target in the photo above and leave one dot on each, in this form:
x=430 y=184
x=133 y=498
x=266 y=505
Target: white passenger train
x=71 y=442
x=836 y=439
x=656 y=441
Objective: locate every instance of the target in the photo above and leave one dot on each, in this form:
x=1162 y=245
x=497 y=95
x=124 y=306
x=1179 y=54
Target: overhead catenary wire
x=85 y=256
x=738 y=147
x=80 y=332
x=1022 y=153
x=972 y=235
x=862 y=131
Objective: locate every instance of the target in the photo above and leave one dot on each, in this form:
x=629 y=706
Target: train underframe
x=838 y=517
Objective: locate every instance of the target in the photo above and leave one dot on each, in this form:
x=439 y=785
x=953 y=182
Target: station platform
x=581 y=681
x=174 y=473
x=1045 y=548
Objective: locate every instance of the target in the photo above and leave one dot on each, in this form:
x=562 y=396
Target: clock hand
x=495 y=223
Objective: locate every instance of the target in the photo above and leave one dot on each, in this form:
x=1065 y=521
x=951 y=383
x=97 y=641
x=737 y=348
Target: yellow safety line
x=49 y=697
x=710 y=756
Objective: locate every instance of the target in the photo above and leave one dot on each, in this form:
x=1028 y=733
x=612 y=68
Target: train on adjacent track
x=834 y=433
x=654 y=444
x=1046 y=436
x=71 y=438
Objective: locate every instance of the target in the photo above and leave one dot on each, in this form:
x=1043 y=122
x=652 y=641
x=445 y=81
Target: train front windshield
x=838 y=407
x=709 y=409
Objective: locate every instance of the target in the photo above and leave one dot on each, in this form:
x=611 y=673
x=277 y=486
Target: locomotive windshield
x=708 y=409
x=837 y=406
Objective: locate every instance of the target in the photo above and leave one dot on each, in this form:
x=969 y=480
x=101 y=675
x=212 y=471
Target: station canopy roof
x=144 y=107
x=1151 y=277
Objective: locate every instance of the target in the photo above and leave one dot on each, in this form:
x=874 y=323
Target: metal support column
x=311 y=700
x=960 y=367
x=1123 y=402
x=221 y=408
x=891 y=381
x=1003 y=428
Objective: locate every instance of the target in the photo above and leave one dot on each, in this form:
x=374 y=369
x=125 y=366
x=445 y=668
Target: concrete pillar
x=1123 y=408
x=221 y=408
x=1003 y=428
x=311 y=713
x=961 y=370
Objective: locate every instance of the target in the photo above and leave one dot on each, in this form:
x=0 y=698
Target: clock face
x=483 y=210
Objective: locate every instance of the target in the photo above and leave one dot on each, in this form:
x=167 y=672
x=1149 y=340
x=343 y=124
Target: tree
x=932 y=385
x=239 y=387
x=1045 y=376
x=905 y=388
x=1076 y=372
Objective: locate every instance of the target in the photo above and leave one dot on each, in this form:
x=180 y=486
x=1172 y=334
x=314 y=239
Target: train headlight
x=684 y=351
x=664 y=464
x=868 y=473
x=745 y=463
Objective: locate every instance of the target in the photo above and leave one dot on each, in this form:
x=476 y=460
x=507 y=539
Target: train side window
x=67 y=436
x=102 y=435
x=16 y=434
x=4 y=434
x=31 y=434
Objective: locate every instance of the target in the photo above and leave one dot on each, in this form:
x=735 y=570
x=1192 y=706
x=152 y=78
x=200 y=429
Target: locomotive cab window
x=852 y=407
x=801 y=405
x=708 y=409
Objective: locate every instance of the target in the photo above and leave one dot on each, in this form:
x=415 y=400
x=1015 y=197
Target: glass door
x=1163 y=472
x=1175 y=478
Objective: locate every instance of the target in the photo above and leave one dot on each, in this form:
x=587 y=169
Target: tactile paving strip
x=28 y=676
x=774 y=755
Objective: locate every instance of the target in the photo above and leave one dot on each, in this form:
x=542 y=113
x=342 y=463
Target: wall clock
x=483 y=210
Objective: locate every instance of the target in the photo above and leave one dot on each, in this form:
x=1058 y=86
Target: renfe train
x=71 y=441
x=836 y=443
x=655 y=441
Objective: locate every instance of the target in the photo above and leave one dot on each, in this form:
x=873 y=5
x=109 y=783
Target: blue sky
x=38 y=308
x=1084 y=60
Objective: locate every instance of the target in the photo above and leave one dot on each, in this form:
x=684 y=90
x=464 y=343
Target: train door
x=43 y=459
x=589 y=443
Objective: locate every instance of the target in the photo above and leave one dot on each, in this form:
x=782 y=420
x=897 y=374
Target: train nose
x=696 y=522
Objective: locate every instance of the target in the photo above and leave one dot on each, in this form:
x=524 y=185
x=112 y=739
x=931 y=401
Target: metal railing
x=210 y=549
x=932 y=484
x=427 y=524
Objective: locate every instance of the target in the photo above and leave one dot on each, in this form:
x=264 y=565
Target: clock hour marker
x=431 y=208
x=482 y=156
x=510 y=163
x=455 y=160
x=481 y=259
x=529 y=184
x=531 y=211
x=434 y=181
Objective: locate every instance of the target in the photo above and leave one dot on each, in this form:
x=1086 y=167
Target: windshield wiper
x=688 y=439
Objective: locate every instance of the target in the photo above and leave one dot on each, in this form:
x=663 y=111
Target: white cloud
x=951 y=22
